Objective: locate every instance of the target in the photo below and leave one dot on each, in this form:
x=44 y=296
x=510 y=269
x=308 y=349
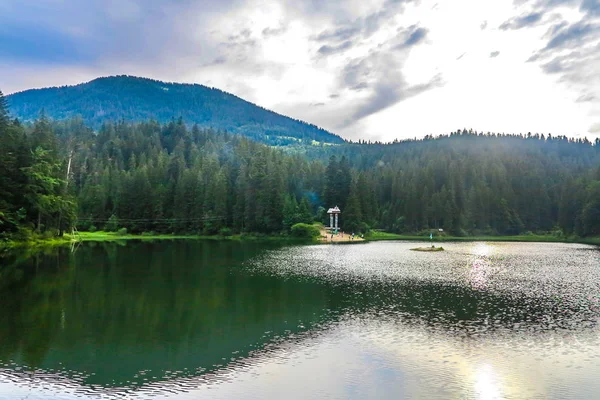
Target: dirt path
x=345 y=237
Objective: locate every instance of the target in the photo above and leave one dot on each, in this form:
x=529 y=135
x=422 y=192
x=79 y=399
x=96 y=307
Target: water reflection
x=480 y=269
x=156 y=312
x=486 y=383
x=158 y=318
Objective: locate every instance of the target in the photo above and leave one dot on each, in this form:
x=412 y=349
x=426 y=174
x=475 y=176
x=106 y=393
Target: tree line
x=172 y=178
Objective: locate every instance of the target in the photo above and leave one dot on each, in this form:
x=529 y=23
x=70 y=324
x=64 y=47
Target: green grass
x=380 y=235
x=34 y=242
x=101 y=236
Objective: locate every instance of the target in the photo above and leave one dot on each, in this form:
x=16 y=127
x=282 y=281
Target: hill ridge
x=135 y=99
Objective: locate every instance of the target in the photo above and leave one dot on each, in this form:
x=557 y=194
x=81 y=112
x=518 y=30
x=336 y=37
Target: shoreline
x=101 y=236
x=380 y=236
x=326 y=237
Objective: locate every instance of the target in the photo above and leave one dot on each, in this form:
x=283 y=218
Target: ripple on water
x=471 y=287
x=487 y=320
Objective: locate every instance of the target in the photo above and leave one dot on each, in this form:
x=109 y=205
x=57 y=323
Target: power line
x=152 y=219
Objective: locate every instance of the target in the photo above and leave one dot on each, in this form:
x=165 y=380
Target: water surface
x=207 y=319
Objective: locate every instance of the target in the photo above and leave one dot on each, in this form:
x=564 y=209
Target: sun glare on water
x=483 y=250
x=486 y=383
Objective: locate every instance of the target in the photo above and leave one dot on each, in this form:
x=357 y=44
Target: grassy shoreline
x=377 y=236
x=102 y=236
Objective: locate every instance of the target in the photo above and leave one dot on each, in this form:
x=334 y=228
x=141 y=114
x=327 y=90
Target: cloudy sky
x=380 y=69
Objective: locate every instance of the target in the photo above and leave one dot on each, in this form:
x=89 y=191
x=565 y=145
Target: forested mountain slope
x=139 y=99
x=168 y=178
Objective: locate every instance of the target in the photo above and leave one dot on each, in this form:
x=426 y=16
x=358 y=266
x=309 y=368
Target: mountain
x=138 y=99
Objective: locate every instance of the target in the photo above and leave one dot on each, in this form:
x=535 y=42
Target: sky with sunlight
x=378 y=70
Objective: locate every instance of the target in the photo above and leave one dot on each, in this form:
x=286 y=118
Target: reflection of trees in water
x=32 y=287
x=163 y=307
x=187 y=308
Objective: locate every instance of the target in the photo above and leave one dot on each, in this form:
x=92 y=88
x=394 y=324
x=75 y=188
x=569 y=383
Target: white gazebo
x=333 y=217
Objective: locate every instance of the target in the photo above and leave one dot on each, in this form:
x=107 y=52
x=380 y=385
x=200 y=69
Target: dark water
x=193 y=319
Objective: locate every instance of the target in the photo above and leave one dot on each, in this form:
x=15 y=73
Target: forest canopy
x=169 y=178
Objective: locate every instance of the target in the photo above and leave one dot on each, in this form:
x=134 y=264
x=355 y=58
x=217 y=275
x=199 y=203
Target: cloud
x=573 y=34
x=360 y=86
x=410 y=36
x=494 y=54
x=339 y=34
x=571 y=49
x=379 y=75
x=553 y=67
x=320 y=60
x=416 y=36
x=586 y=98
x=595 y=128
x=386 y=94
x=327 y=50
x=269 y=32
x=220 y=60
x=591 y=6
x=362 y=27
x=523 y=21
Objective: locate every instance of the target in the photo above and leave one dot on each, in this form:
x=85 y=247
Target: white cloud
x=418 y=67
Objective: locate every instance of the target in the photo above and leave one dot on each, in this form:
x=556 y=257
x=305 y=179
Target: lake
x=255 y=320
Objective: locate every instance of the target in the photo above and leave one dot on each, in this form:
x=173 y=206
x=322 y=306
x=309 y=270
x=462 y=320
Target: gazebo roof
x=334 y=210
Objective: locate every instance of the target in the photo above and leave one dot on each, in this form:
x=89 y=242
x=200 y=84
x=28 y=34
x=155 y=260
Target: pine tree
x=4 y=116
x=290 y=211
x=352 y=217
x=331 y=194
x=43 y=184
x=304 y=214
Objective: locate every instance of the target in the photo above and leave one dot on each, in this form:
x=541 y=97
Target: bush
x=122 y=231
x=461 y=233
x=363 y=227
x=83 y=225
x=23 y=234
x=558 y=233
x=7 y=224
x=113 y=224
x=151 y=233
x=305 y=231
x=225 y=232
x=49 y=234
x=92 y=228
x=209 y=229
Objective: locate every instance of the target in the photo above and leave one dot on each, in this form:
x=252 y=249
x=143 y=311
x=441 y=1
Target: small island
x=432 y=248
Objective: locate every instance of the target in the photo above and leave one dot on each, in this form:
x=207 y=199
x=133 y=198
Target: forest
x=173 y=178
x=136 y=99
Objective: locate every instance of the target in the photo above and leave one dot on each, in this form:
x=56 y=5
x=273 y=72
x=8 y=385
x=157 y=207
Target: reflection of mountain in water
x=127 y=316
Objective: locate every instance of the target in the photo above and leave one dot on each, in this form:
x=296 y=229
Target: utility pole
x=60 y=231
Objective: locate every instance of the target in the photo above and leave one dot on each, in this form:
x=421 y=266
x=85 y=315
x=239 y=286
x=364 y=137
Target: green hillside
x=139 y=99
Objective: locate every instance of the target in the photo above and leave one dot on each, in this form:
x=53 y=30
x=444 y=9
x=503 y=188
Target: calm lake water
x=228 y=320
